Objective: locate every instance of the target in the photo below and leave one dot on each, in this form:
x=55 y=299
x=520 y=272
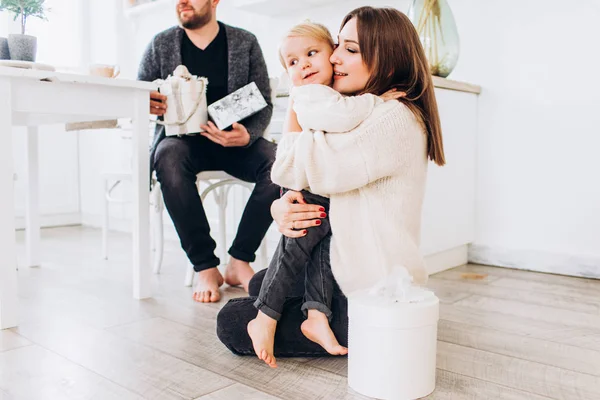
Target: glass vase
x=437 y=29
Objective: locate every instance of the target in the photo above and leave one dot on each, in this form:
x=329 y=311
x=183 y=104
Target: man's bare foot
x=238 y=273
x=316 y=328
x=262 y=332
x=207 y=286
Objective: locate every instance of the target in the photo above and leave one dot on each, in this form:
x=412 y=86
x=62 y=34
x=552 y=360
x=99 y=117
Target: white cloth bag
x=186 y=102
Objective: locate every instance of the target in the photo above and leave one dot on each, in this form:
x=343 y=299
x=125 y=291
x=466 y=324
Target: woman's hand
x=392 y=94
x=294 y=216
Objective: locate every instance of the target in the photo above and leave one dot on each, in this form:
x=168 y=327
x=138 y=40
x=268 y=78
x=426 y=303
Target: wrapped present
x=392 y=340
x=186 y=102
x=236 y=106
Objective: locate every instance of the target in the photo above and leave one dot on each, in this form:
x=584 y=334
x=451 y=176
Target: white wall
x=269 y=34
x=538 y=198
x=269 y=30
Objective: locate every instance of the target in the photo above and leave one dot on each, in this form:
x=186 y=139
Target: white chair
x=219 y=183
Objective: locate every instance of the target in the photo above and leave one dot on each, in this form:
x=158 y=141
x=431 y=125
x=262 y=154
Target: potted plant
x=21 y=46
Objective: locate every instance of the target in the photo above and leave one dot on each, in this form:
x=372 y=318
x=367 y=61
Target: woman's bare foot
x=238 y=273
x=316 y=328
x=207 y=286
x=262 y=332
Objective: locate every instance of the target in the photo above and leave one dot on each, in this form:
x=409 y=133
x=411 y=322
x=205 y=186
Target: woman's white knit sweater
x=375 y=177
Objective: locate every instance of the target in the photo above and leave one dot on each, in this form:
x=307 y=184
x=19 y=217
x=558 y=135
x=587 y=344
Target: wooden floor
x=510 y=335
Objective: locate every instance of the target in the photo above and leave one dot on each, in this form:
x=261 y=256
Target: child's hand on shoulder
x=392 y=94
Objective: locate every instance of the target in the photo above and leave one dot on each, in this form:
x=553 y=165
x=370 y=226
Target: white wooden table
x=33 y=98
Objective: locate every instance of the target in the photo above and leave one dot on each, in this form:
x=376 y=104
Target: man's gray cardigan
x=245 y=64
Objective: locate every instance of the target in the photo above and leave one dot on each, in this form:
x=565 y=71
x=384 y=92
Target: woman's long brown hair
x=393 y=53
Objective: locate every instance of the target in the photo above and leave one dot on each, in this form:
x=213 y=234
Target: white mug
x=105 y=70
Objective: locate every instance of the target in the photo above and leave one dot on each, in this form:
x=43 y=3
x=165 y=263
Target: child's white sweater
x=344 y=113
x=375 y=176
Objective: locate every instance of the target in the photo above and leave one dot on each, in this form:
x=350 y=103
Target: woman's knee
x=232 y=321
x=225 y=327
x=256 y=282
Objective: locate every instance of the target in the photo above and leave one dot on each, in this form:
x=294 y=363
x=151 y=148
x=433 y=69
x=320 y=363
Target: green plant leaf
x=24 y=9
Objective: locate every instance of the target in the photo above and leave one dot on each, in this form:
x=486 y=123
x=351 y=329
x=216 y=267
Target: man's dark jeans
x=232 y=320
x=177 y=162
x=289 y=262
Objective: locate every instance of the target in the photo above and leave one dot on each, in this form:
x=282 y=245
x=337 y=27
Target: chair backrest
x=274 y=82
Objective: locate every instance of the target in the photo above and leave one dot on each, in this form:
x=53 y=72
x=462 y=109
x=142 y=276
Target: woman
x=375 y=177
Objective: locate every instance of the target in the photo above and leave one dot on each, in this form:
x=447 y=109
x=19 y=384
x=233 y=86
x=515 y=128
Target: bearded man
x=230 y=58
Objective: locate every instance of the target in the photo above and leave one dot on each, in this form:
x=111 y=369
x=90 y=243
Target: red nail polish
x=323 y=215
x=317 y=222
x=304 y=232
x=321 y=209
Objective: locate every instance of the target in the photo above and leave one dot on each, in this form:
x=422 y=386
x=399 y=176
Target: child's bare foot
x=316 y=328
x=262 y=332
x=238 y=273
x=207 y=286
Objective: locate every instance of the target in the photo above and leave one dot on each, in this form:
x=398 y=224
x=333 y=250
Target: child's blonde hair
x=309 y=29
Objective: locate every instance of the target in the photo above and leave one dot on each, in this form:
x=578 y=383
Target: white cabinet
x=448 y=223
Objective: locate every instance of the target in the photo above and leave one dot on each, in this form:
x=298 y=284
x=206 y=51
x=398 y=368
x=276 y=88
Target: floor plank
x=456 y=275
x=449 y=385
x=336 y=365
x=238 y=391
x=562 y=280
x=527 y=376
x=585 y=294
x=5 y=396
x=460 y=290
x=531 y=311
x=10 y=340
x=557 y=332
x=523 y=347
x=291 y=380
x=142 y=370
x=585 y=340
x=35 y=373
x=447 y=294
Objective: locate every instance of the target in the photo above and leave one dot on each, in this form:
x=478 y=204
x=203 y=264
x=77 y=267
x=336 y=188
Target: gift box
x=392 y=344
x=236 y=106
x=186 y=102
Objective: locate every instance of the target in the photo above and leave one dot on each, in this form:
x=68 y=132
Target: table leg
x=8 y=243
x=32 y=211
x=141 y=193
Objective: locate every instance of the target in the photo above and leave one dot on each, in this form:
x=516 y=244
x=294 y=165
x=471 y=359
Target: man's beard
x=195 y=21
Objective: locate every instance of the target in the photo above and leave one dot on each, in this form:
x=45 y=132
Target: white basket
x=392 y=346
